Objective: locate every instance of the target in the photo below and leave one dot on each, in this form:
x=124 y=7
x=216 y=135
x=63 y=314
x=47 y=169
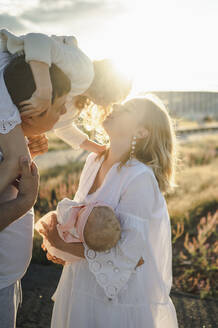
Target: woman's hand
x=54 y=259
x=50 y=232
x=29 y=183
x=38 y=145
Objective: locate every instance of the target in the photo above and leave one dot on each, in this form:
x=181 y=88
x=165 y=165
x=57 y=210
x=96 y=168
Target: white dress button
x=91 y=254
x=116 y=270
x=96 y=266
x=110 y=262
x=103 y=278
x=111 y=291
x=139 y=268
x=122 y=279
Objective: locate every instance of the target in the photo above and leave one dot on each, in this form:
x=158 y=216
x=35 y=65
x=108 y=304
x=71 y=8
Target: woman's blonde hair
x=159 y=148
x=109 y=86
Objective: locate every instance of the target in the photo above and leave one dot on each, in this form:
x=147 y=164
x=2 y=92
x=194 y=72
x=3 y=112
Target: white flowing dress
x=104 y=290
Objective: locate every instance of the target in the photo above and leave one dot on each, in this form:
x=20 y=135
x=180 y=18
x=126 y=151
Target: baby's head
x=102 y=230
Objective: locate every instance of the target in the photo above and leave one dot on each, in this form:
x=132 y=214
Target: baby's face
x=102 y=230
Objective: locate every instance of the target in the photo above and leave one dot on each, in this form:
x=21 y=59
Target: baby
x=95 y=224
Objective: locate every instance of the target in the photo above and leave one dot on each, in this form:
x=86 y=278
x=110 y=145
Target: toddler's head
x=102 y=229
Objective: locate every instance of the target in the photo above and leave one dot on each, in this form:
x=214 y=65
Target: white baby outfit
x=105 y=289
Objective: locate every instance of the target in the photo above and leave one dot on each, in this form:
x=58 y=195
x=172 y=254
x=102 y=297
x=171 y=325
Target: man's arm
x=13 y=146
x=11 y=211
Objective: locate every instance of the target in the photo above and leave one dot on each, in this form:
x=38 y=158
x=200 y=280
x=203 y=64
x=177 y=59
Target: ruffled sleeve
x=9 y=114
x=113 y=268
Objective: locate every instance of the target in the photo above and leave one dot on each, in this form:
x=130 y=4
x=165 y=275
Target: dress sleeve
x=114 y=267
x=9 y=114
x=71 y=135
x=67 y=131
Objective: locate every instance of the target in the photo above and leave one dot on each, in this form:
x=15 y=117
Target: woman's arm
x=13 y=146
x=76 y=249
x=27 y=193
x=51 y=234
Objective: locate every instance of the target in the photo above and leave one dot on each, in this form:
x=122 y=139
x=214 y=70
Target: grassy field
x=193 y=209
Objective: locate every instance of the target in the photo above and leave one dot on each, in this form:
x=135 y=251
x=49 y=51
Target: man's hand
x=38 y=145
x=29 y=182
x=36 y=105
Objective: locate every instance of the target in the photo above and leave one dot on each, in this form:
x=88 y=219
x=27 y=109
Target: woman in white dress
x=110 y=289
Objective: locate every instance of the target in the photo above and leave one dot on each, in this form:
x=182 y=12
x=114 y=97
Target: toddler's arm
x=92 y=146
x=41 y=98
x=74 y=137
x=13 y=145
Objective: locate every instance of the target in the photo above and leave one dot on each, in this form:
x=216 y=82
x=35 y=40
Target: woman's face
x=45 y=122
x=124 y=121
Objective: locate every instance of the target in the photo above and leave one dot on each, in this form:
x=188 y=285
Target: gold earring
x=132 y=147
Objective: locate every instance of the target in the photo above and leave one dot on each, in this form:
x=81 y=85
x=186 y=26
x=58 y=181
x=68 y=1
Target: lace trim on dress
x=113 y=268
x=7 y=125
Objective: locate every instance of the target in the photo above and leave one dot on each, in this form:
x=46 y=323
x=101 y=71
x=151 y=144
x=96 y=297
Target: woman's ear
x=141 y=133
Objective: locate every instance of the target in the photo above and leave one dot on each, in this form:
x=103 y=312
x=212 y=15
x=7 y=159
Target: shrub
x=195 y=266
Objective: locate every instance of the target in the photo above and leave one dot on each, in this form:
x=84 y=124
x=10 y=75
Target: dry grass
x=197 y=180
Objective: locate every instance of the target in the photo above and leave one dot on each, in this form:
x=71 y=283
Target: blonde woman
x=116 y=288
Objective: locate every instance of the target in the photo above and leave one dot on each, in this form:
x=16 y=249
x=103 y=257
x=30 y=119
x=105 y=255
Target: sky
x=162 y=44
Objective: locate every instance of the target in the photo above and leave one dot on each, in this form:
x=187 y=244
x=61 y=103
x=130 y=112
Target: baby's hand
x=39 y=103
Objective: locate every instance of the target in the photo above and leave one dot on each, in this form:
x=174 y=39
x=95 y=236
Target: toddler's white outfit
x=62 y=51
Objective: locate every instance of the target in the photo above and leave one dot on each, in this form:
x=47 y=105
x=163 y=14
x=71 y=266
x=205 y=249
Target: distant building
x=191 y=105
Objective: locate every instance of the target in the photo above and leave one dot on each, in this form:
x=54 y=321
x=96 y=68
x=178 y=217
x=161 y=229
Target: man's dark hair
x=20 y=83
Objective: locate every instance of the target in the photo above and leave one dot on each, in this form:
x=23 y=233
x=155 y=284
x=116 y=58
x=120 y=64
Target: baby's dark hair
x=21 y=85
